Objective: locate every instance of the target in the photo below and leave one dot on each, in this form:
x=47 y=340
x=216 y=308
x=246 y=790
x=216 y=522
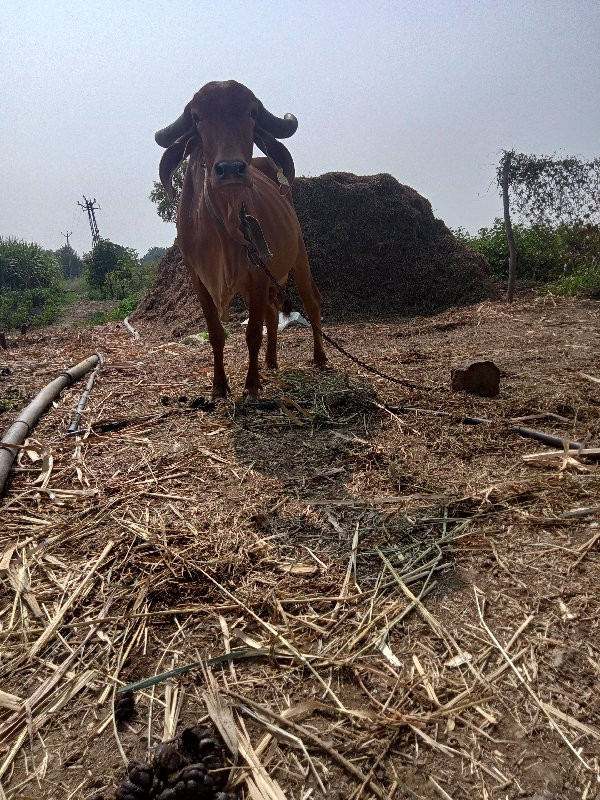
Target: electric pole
x=90 y=206
x=66 y=235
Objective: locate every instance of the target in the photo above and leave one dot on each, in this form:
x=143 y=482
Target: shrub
x=34 y=306
x=116 y=271
x=544 y=252
x=72 y=265
x=25 y=265
x=582 y=282
x=30 y=279
x=126 y=307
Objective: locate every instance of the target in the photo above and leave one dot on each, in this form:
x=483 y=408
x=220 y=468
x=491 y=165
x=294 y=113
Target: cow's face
x=217 y=129
x=224 y=116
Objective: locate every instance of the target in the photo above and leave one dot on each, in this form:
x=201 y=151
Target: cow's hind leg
x=272 y=322
x=216 y=337
x=311 y=297
x=259 y=298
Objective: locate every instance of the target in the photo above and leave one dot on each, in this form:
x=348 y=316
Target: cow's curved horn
x=276 y=126
x=182 y=125
x=172 y=158
x=276 y=152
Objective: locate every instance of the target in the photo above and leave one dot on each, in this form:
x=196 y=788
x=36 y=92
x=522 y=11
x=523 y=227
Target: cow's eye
x=253 y=113
x=195 y=118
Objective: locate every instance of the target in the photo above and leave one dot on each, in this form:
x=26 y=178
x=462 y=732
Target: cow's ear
x=172 y=158
x=276 y=152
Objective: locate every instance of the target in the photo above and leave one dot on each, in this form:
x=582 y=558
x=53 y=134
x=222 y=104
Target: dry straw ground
x=410 y=605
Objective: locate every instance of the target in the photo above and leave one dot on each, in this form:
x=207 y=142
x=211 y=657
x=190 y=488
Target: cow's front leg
x=254 y=333
x=216 y=337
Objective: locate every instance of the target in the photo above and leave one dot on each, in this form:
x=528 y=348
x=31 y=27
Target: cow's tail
x=286 y=303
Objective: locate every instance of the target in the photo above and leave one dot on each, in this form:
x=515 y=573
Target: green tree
x=153 y=255
x=109 y=259
x=72 y=265
x=546 y=190
x=101 y=261
x=116 y=271
x=165 y=207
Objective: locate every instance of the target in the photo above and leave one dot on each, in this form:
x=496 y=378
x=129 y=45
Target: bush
x=26 y=266
x=544 y=252
x=116 y=271
x=72 y=265
x=100 y=262
x=30 y=284
x=583 y=282
x=32 y=306
x=126 y=307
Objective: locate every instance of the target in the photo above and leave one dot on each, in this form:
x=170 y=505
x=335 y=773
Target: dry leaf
x=459 y=660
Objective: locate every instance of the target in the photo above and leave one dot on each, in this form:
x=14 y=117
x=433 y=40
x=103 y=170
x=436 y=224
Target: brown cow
x=231 y=206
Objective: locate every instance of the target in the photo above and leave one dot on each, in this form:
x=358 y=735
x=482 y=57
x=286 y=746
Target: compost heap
x=376 y=251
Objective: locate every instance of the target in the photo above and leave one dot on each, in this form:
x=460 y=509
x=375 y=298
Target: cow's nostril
x=231 y=169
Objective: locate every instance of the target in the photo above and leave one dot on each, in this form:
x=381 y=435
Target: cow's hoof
x=251 y=396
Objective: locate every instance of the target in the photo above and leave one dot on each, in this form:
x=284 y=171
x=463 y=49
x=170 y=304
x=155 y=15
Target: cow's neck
x=231 y=227
x=247 y=232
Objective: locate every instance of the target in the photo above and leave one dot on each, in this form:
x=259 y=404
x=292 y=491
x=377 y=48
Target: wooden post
x=512 y=249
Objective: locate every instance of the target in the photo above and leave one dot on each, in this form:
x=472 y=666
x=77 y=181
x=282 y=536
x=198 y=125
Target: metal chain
x=257 y=261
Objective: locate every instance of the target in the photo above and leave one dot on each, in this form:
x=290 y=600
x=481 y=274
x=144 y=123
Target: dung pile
x=376 y=252
x=190 y=767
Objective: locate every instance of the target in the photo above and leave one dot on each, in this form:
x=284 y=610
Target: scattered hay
x=361 y=604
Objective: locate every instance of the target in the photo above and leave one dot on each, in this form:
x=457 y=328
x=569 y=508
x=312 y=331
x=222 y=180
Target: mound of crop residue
x=172 y=302
x=376 y=251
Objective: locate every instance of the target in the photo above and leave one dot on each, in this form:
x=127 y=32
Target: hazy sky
x=429 y=91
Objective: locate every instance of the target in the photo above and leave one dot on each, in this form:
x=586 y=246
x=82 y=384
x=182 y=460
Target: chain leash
x=258 y=262
x=250 y=229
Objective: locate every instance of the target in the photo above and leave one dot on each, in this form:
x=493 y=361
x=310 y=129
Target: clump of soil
x=376 y=251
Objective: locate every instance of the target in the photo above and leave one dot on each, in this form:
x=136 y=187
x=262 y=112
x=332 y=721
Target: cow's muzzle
x=232 y=172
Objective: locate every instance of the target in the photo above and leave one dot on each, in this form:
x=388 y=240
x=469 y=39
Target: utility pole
x=66 y=235
x=510 y=236
x=90 y=206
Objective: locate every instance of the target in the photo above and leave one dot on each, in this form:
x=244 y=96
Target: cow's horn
x=276 y=126
x=175 y=130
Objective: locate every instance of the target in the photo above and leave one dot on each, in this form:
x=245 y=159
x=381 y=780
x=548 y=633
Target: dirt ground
x=410 y=604
x=80 y=312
